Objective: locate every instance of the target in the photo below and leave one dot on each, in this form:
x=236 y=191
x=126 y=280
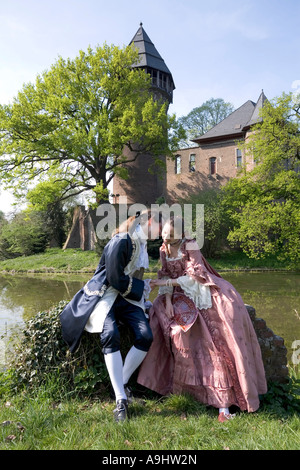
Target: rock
x=274 y=352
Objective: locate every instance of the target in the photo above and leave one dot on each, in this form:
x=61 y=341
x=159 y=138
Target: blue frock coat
x=110 y=272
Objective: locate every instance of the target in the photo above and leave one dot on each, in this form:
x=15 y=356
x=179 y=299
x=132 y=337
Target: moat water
x=275 y=297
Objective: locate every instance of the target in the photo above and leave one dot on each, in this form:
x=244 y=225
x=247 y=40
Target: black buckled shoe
x=121 y=411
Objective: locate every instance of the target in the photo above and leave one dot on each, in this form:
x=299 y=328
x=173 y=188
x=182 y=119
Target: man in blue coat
x=114 y=294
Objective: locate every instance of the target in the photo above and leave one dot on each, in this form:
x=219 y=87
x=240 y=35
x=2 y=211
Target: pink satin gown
x=218 y=360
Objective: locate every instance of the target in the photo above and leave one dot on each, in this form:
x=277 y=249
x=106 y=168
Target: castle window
x=212 y=165
x=238 y=157
x=177 y=164
x=192 y=162
x=154 y=76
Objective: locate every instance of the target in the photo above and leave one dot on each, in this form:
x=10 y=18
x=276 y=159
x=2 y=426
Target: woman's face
x=172 y=233
x=167 y=233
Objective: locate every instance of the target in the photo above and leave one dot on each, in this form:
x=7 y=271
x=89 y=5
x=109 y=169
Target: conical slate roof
x=148 y=54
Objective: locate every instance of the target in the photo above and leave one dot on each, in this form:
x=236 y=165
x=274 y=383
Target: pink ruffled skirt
x=218 y=360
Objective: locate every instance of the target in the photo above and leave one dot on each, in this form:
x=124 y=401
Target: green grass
x=55 y=260
x=235 y=260
x=173 y=423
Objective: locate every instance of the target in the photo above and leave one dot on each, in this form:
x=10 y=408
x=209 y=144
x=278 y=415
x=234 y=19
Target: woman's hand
x=158 y=282
x=164 y=282
x=169 y=307
x=152 y=283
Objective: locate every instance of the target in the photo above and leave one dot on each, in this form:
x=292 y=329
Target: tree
x=24 y=235
x=71 y=127
x=264 y=203
x=203 y=118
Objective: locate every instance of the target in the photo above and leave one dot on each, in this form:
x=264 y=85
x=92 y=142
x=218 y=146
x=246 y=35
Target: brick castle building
x=215 y=158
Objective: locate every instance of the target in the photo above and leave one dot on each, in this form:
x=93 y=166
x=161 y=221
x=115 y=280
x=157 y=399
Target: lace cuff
x=147 y=288
x=200 y=294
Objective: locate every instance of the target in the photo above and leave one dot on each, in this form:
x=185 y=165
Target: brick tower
x=142 y=186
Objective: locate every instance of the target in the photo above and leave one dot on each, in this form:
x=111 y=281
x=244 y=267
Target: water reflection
x=275 y=296
x=21 y=297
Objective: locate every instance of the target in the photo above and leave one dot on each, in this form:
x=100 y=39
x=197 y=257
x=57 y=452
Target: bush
x=283 y=397
x=42 y=353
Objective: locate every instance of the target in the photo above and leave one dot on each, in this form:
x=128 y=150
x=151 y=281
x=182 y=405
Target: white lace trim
x=139 y=257
x=147 y=288
x=100 y=292
x=197 y=292
x=128 y=290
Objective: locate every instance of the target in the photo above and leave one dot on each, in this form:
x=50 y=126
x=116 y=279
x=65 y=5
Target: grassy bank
x=52 y=415
x=55 y=260
x=39 y=422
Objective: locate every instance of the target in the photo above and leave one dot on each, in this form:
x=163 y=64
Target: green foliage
x=30 y=231
x=101 y=194
x=71 y=128
x=216 y=221
x=283 y=398
x=263 y=204
x=41 y=350
x=45 y=194
x=7 y=382
x=24 y=235
x=42 y=354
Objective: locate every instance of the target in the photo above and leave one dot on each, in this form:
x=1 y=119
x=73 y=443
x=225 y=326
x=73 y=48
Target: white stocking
x=133 y=359
x=224 y=410
x=114 y=364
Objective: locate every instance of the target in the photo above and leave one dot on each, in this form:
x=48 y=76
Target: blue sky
x=214 y=49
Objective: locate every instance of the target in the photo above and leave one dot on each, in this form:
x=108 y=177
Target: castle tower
x=152 y=62
x=142 y=186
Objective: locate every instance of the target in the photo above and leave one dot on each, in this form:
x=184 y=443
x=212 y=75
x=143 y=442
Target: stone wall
x=82 y=234
x=274 y=352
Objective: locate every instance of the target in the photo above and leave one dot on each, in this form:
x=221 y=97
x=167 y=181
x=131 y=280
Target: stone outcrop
x=274 y=352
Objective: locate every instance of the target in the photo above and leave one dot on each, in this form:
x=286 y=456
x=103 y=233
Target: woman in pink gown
x=204 y=341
